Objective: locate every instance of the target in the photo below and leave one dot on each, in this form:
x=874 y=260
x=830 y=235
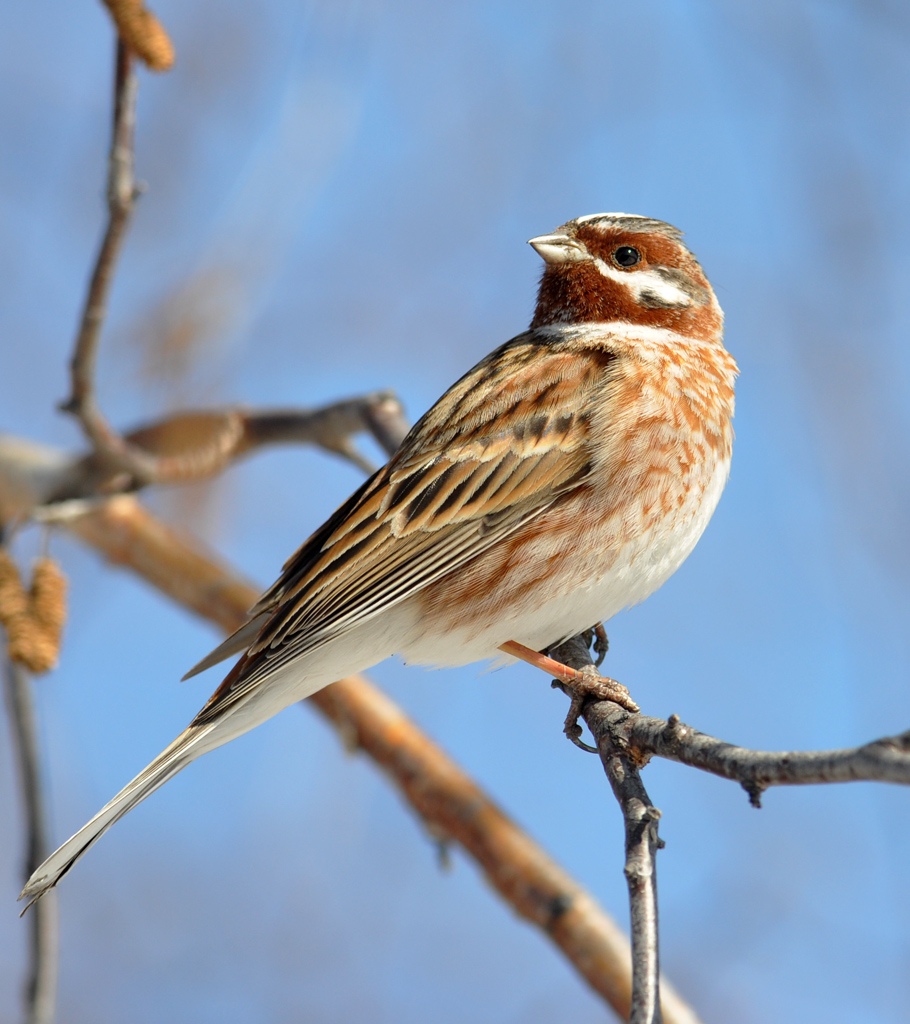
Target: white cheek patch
x=652 y=288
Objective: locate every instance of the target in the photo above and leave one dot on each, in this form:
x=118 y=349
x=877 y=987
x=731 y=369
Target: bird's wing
x=500 y=447
x=262 y=611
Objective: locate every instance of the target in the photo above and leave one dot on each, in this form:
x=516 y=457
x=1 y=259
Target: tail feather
x=283 y=685
x=236 y=643
x=171 y=760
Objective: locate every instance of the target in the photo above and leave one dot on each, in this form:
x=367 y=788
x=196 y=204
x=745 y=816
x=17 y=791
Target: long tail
x=223 y=718
x=187 y=747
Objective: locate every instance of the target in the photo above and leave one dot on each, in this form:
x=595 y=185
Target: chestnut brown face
x=619 y=267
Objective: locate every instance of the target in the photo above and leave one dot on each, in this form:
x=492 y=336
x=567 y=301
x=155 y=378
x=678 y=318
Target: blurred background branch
x=40 y=986
x=122 y=192
x=196 y=444
x=32 y=619
x=201 y=443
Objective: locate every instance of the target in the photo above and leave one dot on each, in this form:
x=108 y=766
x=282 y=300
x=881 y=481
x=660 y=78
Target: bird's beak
x=557 y=248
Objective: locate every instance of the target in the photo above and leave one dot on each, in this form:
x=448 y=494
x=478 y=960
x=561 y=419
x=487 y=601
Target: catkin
x=143 y=33
x=33 y=619
x=13 y=599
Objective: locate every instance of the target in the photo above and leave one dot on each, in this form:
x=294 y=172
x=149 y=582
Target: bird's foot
x=589 y=685
x=580 y=684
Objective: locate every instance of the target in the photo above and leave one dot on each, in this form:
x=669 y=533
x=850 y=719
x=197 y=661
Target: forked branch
x=627 y=741
x=197 y=444
x=642 y=841
x=200 y=443
x=882 y=760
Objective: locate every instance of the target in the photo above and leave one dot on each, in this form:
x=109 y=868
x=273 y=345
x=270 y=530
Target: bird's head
x=610 y=267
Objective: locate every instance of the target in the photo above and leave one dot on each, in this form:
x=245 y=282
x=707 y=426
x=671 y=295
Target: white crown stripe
x=629 y=222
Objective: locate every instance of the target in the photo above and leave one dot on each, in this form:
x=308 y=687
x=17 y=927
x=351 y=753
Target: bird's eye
x=626 y=256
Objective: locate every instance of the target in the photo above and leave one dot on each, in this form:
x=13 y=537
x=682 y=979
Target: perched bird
x=562 y=479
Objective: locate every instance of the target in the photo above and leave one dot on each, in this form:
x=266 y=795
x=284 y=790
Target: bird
x=564 y=478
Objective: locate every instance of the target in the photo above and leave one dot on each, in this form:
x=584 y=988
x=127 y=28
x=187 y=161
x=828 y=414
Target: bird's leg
x=588 y=684
x=580 y=684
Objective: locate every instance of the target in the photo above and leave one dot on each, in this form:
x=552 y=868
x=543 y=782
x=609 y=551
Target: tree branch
x=121 y=194
x=200 y=443
x=128 y=461
x=627 y=741
x=41 y=981
x=331 y=427
x=206 y=441
x=640 y=818
x=882 y=760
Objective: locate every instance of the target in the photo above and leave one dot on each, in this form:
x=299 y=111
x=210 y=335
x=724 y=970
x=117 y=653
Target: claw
x=591 y=686
x=571 y=727
x=601 y=644
x=579 y=684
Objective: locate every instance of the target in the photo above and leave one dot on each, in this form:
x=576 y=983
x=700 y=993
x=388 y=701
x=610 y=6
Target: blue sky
x=339 y=194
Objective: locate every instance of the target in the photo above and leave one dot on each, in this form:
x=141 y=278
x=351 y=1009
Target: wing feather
x=498 y=449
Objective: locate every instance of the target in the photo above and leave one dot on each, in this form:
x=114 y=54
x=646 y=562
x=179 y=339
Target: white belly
x=638 y=569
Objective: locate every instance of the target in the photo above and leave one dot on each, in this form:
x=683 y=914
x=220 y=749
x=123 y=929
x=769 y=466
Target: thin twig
x=331 y=427
x=641 y=819
x=387 y=423
x=627 y=741
x=118 y=452
x=121 y=194
x=882 y=760
x=127 y=534
x=449 y=802
x=642 y=841
x=119 y=463
x=199 y=444
x=41 y=980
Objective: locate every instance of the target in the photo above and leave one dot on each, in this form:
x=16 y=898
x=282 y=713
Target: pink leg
x=580 y=685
